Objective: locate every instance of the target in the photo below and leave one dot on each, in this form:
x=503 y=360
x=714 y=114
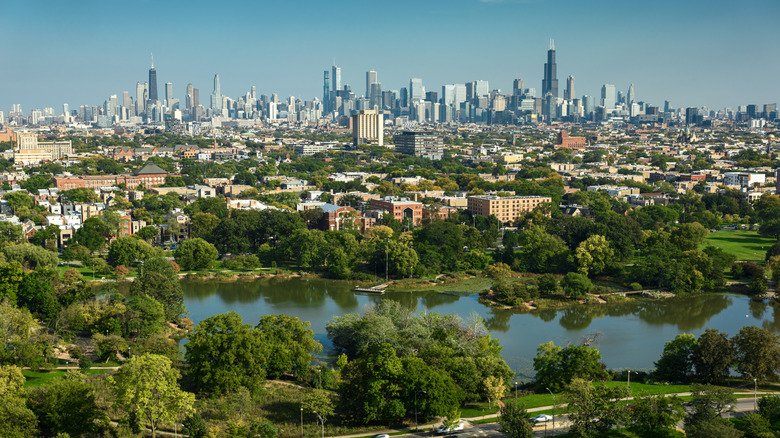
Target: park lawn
x=744 y=245
x=468 y=285
x=41 y=378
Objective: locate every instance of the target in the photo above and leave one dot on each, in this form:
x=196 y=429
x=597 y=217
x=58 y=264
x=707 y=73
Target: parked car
x=457 y=427
x=543 y=418
x=381 y=435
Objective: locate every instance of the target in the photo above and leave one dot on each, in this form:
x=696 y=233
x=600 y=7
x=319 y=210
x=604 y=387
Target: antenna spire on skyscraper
x=552 y=44
x=152 y=59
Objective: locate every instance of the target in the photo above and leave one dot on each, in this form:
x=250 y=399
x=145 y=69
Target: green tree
x=67 y=406
x=319 y=401
x=542 y=252
x=196 y=254
x=555 y=367
x=494 y=388
x=81 y=194
x=593 y=255
x=370 y=391
x=18 y=200
x=10 y=233
x=109 y=346
x=36 y=294
x=594 y=409
x=703 y=420
x=126 y=250
x=93 y=234
x=146 y=387
x=676 y=362
x=202 y=224
x=147 y=233
x=291 y=345
x=160 y=281
x=689 y=236
x=30 y=256
x=514 y=421
x=656 y=415
x=437 y=393
x=757 y=353
x=11 y=276
x=756 y=426
x=225 y=354
x=576 y=285
x=713 y=356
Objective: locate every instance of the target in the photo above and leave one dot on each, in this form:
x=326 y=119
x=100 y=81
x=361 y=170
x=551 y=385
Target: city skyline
x=679 y=52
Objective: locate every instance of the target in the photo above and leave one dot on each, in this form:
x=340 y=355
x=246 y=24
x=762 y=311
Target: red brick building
x=400 y=208
x=564 y=141
x=149 y=176
x=338 y=217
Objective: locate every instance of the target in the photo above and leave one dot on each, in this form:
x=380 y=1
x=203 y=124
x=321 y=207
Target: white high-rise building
x=608 y=96
x=139 y=98
x=416 y=91
x=371 y=78
x=216 y=97
x=481 y=88
x=368 y=128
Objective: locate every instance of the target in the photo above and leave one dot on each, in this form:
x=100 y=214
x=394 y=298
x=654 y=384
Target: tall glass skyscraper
x=152 y=82
x=550 y=81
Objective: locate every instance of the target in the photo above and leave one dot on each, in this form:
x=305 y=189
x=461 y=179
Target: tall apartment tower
x=371 y=78
x=152 y=82
x=335 y=78
x=188 y=101
x=326 y=98
x=139 y=98
x=368 y=128
x=169 y=93
x=569 y=93
x=216 y=96
x=550 y=81
x=608 y=96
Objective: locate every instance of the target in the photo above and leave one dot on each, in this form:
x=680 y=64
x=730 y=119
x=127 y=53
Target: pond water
x=629 y=335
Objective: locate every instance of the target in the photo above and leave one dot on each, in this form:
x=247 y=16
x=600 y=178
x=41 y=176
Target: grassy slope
x=745 y=245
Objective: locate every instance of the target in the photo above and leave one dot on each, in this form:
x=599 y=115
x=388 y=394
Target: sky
x=714 y=53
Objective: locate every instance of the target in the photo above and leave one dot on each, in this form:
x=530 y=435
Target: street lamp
x=387 y=244
x=301 y=420
x=551 y=393
x=415 y=409
x=323 y=423
x=755 y=393
x=629 y=385
x=515 y=393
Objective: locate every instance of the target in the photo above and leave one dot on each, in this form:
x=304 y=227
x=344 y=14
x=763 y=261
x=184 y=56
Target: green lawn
x=469 y=285
x=41 y=378
x=745 y=245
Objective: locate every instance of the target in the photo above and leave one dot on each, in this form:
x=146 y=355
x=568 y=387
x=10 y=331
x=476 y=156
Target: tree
x=514 y=421
x=656 y=415
x=555 y=366
x=494 y=388
x=19 y=200
x=10 y=233
x=709 y=402
x=757 y=353
x=146 y=387
x=109 y=346
x=676 y=362
x=291 y=345
x=225 y=354
x=127 y=250
x=542 y=252
x=689 y=236
x=202 y=224
x=36 y=294
x=93 y=234
x=196 y=254
x=67 y=406
x=370 y=391
x=160 y=281
x=30 y=256
x=318 y=401
x=713 y=356
x=594 y=409
x=756 y=426
x=11 y=275
x=576 y=285
x=147 y=233
x=593 y=255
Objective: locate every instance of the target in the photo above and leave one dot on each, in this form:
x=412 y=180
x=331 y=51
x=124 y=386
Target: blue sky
x=716 y=53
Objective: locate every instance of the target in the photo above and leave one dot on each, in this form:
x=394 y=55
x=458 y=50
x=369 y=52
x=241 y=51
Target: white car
x=542 y=418
x=381 y=435
x=441 y=430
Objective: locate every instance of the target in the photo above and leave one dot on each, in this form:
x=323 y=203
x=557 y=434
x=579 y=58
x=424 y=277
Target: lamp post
x=515 y=393
x=387 y=244
x=629 y=385
x=553 y=395
x=301 y=420
x=416 y=428
x=323 y=423
x=755 y=393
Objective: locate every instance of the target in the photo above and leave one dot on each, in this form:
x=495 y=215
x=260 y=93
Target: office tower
x=216 y=96
x=335 y=78
x=608 y=97
x=168 y=93
x=371 y=78
x=2 y=118
x=470 y=91
x=195 y=97
x=127 y=102
x=550 y=81
x=620 y=98
x=416 y=89
x=152 y=82
x=517 y=87
x=630 y=97
x=403 y=97
x=375 y=95
x=368 y=128
x=326 y=96
x=66 y=109
x=254 y=93
x=588 y=106
x=16 y=108
x=139 y=98
x=188 y=100
x=448 y=94
x=569 y=93
x=481 y=88
x=667 y=106
x=459 y=94
x=432 y=97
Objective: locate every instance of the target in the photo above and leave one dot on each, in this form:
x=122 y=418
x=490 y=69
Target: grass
x=744 y=245
x=477 y=409
x=37 y=379
x=468 y=285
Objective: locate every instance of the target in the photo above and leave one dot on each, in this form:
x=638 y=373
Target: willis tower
x=550 y=81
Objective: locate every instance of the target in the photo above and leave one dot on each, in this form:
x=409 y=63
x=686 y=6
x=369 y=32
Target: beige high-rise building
x=368 y=128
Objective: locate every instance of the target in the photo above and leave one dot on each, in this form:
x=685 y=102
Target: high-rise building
x=368 y=128
x=326 y=95
x=588 y=106
x=168 y=94
x=216 y=96
x=608 y=96
x=416 y=89
x=188 y=101
x=375 y=95
x=481 y=89
x=569 y=93
x=517 y=87
x=630 y=97
x=550 y=81
x=335 y=79
x=127 y=102
x=371 y=78
x=139 y=98
x=419 y=144
x=152 y=82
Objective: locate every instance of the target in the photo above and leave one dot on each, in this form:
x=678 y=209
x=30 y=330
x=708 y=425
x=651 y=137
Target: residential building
x=419 y=144
x=368 y=128
x=505 y=208
x=401 y=208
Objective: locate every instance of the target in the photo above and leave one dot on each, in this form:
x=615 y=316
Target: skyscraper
x=569 y=93
x=630 y=97
x=168 y=94
x=608 y=97
x=152 y=82
x=371 y=78
x=188 y=101
x=416 y=89
x=550 y=81
x=216 y=96
x=335 y=78
x=139 y=98
x=517 y=87
x=481 y=88
x=326 y=97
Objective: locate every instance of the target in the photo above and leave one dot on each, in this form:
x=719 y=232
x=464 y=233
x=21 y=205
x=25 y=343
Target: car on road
x=381 y=435
x=543 y=418
x=442 y=430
